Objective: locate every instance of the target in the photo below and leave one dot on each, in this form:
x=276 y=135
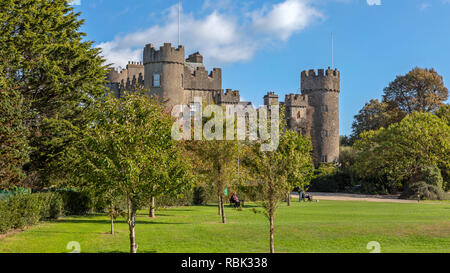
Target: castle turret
x=164 y=73
x=271 y=99
x=322 y=89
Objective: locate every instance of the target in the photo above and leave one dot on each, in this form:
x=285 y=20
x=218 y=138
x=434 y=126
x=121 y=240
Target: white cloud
x=285 y=18
x=220 y=36
x=374 y=2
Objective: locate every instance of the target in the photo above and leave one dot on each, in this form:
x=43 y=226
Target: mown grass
x=328 y=226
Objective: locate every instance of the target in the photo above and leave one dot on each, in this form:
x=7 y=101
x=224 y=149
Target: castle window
x=324 y=133
x=156 y=80
x=299 y=115
x=324 y=159
x=324 y=108
x=181 y=81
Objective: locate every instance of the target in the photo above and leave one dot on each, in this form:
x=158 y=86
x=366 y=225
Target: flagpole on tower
x=179 y=22
x=332 y=49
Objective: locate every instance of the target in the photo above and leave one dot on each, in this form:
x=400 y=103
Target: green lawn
x=328 y=226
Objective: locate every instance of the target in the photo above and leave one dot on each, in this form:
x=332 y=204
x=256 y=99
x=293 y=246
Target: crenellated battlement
x=133 y=69
x=200 y=79
x=321 y=73
x=296 y=100
x=165 y=54
x=320 y=80
x=271 y=99
x=228 y=96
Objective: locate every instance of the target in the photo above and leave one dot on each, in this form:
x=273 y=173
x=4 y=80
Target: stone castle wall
x=314 y=112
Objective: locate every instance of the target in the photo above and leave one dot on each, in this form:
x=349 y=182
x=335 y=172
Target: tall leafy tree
x=420 y=90
x=130 y=148
x=373 y=116
x=13 y=136
x=57 y=72
x=402 y=151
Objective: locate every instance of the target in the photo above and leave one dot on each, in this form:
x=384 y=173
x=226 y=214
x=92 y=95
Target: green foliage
x=399 y=153
x=373 y=116
x=76 y=203
x=56 y=71
x=130 y=151
x=200 y=196
x=296 y=149
x=13 y=134
x=423 y=191
x=23 y=209
x=328 y=178
x=444 y=113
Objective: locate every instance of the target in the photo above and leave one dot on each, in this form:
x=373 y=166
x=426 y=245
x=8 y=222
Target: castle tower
x=322 y=89
x=164 y=73
x=271 y=99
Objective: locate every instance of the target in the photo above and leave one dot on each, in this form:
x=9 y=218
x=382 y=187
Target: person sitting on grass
x=235 y=200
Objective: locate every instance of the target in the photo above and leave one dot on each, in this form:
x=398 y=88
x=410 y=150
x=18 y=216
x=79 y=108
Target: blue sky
x=264 y=45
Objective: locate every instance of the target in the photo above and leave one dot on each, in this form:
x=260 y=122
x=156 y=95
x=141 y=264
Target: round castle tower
x=164 y=73
x=322 y=89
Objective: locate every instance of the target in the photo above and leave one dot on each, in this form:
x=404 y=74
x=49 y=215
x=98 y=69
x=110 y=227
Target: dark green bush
x=200 y=196
x=76 y=203
x=25 y=209
x=423 y=191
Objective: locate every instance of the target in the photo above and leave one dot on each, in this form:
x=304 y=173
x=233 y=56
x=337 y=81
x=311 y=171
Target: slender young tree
x=268 y=170
x=130 y=144
x=299 y=166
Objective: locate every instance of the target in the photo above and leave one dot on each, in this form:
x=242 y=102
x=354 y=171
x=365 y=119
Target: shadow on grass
x=92 y=221
x=125 y=252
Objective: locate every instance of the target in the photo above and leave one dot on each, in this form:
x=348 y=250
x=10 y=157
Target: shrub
x=424 y=191
x=200 y=196
x=24 y=209
x=76 y=203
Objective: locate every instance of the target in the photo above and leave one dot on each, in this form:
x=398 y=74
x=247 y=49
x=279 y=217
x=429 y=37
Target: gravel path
x=356 y=197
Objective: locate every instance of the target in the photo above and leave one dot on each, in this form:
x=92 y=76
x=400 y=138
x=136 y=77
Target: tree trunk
x=218 y=205
x=272 y=245
x=112 y=219
x=131 y=225
x=222 y=208
x=152 y=208
x=288 y=200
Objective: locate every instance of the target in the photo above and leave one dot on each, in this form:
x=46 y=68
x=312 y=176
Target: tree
x=400 y=152
x=373 y=116
x=420 y=90
x=217 y=162
x=296 y=149
x=268 y=170
x=13 y=136
x=130 y=147
x=58 y=73
x=444 y=113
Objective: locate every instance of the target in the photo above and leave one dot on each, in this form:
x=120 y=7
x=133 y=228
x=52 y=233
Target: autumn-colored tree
x=420 y=90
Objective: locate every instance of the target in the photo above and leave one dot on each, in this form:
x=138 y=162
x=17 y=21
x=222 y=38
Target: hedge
x=22 y=210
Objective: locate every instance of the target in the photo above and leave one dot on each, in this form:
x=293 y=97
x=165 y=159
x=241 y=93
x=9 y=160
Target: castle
x=178 y=80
